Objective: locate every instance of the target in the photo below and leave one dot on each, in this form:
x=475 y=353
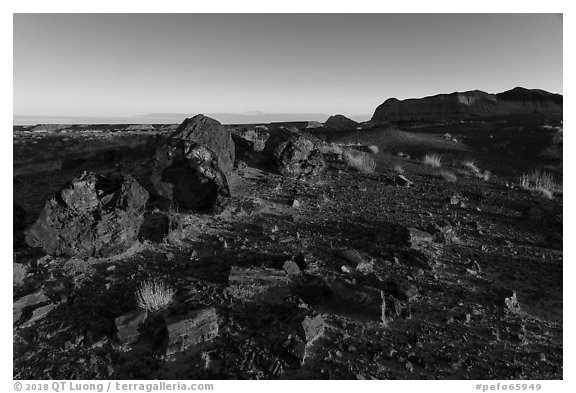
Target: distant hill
x=340 y=122
x=469 y=105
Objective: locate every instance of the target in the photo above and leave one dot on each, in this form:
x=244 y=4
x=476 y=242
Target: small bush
x=433 y=160
x=399 y=169
x=540 y=182
x=359 y=160
x=473 y=167
x=154 y=295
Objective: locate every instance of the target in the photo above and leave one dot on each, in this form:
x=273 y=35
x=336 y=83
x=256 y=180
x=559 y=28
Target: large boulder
x=188 y=176
x=293 y=154
x=92 y=216
x=191 y=170
x=209 y=133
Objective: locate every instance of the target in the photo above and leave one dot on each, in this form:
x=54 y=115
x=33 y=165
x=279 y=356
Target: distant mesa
x=340 y=122
x=469 y=105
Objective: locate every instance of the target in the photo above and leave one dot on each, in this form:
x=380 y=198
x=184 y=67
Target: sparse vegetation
x=541 y=182
x=432 y=160
x=473 y=167
x=399 y=169
x=154 y=295
x=360 y=161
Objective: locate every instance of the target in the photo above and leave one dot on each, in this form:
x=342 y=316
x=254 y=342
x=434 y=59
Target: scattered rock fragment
x=294 y=346
x=197 y=327
x=443 y=232
x=92 y=216
x=311 y=328
x=32 y=300
x=265 y=285
x=402 y=181
x=291 y=268
x=417 y=237
x=352 y=256
x=40 y=313
x=19 y=274
x=128 y=326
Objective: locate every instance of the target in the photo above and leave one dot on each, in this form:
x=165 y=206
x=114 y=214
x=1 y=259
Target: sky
x=161 y=68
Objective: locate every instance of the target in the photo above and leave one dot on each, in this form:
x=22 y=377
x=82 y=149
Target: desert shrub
x=471 y=165
x=373 y=149
x=154 y=295
x=541 y=182
x=399 y=169
x=476 y=171
x=359 y=160
x=433 y=160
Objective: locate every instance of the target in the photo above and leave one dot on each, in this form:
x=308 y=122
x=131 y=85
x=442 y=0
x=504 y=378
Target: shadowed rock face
x=188 y=175
x=293 y=154
x=93 y=216
x=468 y=105
x=208 y=132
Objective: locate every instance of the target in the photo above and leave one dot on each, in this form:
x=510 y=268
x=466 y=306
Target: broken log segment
x=191 y=170
x=92 y=216
x=293 y=154
x=197 y=327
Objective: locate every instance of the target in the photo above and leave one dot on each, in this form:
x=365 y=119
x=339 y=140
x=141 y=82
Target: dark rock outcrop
x=468 y=105
x=92 y=216
x=340 y=122
x=293 y=154
x=191 y=170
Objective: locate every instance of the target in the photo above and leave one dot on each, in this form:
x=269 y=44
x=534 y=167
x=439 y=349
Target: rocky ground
x=346 y=275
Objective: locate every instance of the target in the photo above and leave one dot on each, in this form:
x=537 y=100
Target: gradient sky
x=160 y=68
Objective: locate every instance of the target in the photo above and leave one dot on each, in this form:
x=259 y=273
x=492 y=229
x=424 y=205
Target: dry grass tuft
x=473 y=167
x=399 y=169
x=359 y=160
x=432 y=160
x=541 y=182
x=154 y=295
